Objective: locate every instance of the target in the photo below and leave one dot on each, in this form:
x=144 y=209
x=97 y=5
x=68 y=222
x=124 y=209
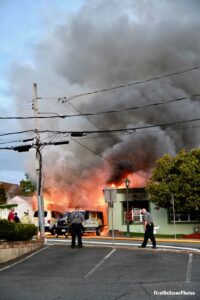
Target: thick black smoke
x=108 y=43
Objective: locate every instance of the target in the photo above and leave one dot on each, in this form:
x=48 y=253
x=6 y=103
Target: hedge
x=16 y=231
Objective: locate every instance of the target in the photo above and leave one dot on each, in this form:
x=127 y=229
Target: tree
x=3 y=197
x=27 y=186
x=178 y=176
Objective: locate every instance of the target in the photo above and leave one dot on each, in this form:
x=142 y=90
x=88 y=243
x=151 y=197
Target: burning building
x=105 y=45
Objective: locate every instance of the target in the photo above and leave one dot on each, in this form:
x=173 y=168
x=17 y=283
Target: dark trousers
x=76 y=230
x=149 y=235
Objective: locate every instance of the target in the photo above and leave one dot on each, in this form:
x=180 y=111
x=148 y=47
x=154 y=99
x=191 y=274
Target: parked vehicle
x=50 y=218
x=62 y=225
x=93 y=223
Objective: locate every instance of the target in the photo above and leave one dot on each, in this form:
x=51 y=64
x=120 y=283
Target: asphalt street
x=57 y=272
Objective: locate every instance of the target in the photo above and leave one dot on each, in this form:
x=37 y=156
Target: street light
x=127 y=183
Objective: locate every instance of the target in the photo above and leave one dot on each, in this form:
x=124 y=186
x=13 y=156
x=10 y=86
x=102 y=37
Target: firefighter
x=26 y=219
x=75 y=219
x=148 y=229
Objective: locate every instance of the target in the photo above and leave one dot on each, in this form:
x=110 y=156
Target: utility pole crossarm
x=55 y=143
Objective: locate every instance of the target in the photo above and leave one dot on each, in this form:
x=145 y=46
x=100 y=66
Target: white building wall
x=160 y=218
x=4 y=213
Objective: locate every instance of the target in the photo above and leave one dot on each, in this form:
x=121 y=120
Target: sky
x=75 y=47
x=23 y=25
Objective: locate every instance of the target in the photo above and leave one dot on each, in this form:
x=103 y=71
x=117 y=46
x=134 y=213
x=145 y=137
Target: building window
x=184 y=217
x=134 y=215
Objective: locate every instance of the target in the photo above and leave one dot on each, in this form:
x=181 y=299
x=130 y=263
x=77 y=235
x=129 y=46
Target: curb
x=165 y=240
x=141 y=239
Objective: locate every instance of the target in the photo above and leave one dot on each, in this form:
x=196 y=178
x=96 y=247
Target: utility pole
x=38 y=164
x=110 y=195
x=127 y=183
x=174 y=215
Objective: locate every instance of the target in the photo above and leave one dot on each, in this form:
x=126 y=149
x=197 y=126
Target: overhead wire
x=18 y=104
x=17 y=132
x=50 y=138
x=98 y=154
x=109 y=89
x=65 y=99
x=84 y=132
x=91 y=122
x=89 y=149
x=82 y=114
x=16 y=141
x=55 y=135
x=102 y=112
x=136 y=132
x=130 y=108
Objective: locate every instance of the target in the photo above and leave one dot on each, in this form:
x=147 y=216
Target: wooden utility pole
x=38 y=165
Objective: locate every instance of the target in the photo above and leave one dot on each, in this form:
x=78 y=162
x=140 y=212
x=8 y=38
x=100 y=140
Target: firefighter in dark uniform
x=148 y=229
x=75 y=219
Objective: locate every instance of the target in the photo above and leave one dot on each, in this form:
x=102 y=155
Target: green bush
x=16 y=231
x=6 y=230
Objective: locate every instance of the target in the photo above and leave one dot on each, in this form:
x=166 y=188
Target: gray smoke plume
x=104 y=44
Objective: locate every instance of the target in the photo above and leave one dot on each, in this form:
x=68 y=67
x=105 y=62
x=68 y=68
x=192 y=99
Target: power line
x=108 y=160
x=65 y=99
x=55 y=135
x=102 y=112
x=88 y=119
x=92 y=151
x=17 y=132
x=82 y=114
x=131 y=129
x=136 y=132
x=18 y=105
x=18 y=141
x=130 y=108
x=26 y=148
x=85 y=132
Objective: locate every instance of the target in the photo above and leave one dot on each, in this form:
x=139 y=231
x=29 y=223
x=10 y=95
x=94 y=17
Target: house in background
x=23 y=204
x=20 y=204
x=185 y=223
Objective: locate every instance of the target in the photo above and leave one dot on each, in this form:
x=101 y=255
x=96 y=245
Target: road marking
x=127 y=244
x=189 y=269
x=27 y=257
x=99 y=264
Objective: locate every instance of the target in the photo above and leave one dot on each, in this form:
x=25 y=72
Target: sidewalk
x=119 y=237
x=107 y=236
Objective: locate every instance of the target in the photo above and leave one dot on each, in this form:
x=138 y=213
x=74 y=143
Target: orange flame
x=85 y=194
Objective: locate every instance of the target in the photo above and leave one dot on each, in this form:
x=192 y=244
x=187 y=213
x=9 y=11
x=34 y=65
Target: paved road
x=58 y=272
